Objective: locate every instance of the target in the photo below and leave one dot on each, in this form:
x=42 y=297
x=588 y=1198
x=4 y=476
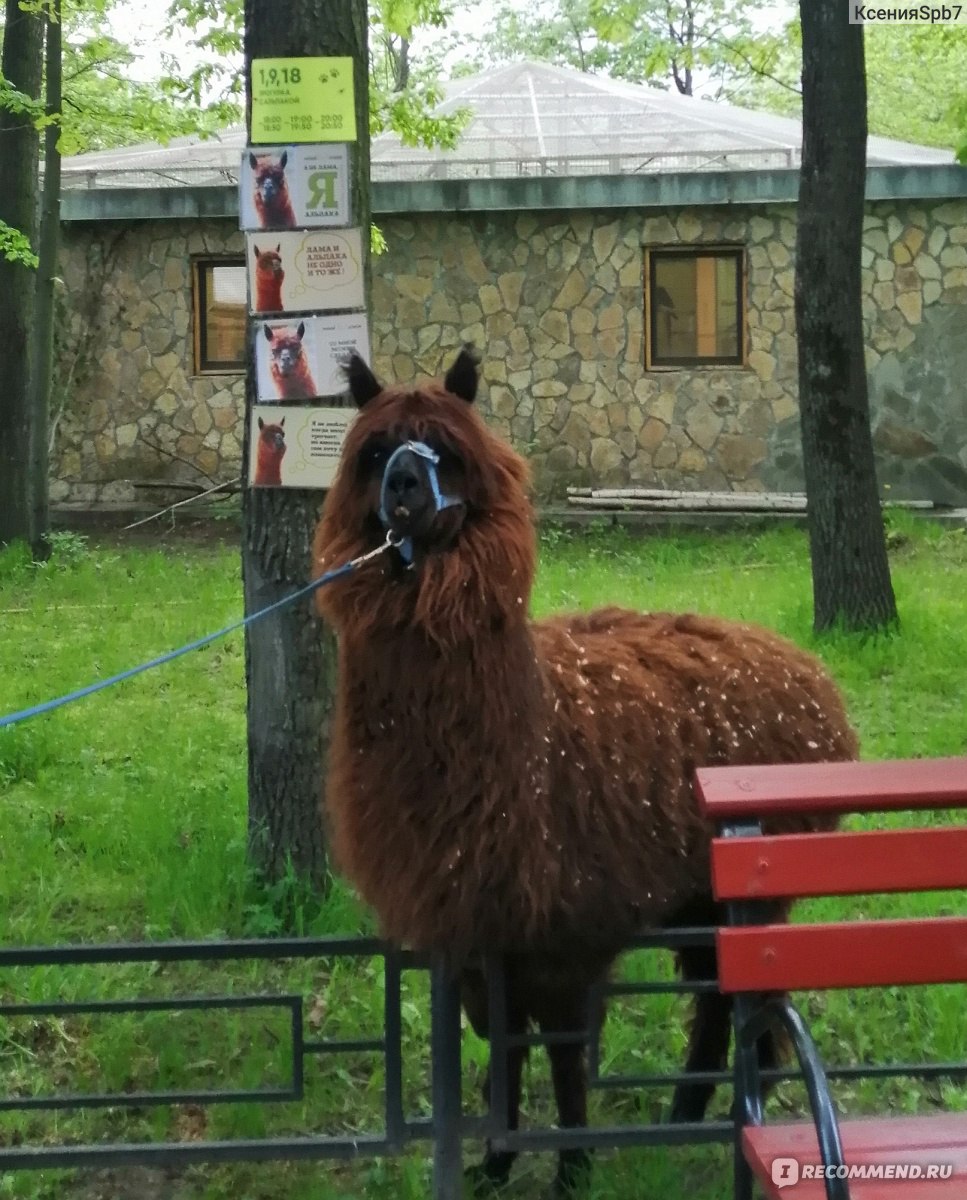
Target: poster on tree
x=293 y=187
x=301 y=358
x=296 y=447
x=303 y=100
x=300 y=272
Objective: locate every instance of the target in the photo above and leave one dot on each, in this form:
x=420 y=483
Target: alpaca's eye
x=444 y=454
x=373 y=457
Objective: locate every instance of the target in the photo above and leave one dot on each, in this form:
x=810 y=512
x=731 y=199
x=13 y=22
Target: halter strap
x=431 y=459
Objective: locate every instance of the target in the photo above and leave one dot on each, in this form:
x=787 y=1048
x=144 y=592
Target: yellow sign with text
x=303 y=100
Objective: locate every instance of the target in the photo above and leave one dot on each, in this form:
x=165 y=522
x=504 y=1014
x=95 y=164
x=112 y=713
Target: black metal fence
x=445 y=1129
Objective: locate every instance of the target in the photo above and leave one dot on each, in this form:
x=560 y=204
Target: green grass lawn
x=124 y=817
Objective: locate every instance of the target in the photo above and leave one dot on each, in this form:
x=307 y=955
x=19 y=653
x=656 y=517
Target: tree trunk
x=290 y=656
x=851 y=574
x=23 y=47
x=43 y=326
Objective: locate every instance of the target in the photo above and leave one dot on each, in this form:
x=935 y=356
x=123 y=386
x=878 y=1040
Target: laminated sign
x=296 y=447
x=301 y=272
x=303 y=100
x=301 y=357
x=292 y=187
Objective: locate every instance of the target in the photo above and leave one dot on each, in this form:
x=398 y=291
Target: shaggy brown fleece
x=498 y=784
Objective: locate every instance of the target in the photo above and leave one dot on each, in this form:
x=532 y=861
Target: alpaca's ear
x=261 y=423
x=282 y=423
x=462 y=378
x=268 y=332
x=284 y=159
x=363 y=384
x=301 y=331
x=258 y=253
x=253 y=162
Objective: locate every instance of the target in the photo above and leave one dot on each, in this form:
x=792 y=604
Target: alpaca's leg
x=494 y=1169
x=708 y=1043
x=569 y=1072
x=570 y=1013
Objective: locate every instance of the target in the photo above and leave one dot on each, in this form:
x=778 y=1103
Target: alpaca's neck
x=270 y=469
x=295 y=386
x=452 y=708
x=270 y=289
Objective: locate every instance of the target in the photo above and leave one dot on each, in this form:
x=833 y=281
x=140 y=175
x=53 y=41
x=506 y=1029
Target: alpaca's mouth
x=422 y=532
x=412 y=521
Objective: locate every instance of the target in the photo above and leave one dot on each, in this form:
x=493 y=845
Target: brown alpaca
x=268 y=279
x=289 y=367
x=272 y=203
x=502 y=785
x=269 y=454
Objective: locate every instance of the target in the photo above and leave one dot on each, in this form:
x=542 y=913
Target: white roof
x=527 y=118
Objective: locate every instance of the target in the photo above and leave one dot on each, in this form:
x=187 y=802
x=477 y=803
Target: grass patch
x=124 y=817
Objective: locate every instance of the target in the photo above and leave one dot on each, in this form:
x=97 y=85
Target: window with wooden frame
x=694 y=306
x=220 y=315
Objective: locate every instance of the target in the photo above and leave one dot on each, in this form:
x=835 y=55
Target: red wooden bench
x=760 y=962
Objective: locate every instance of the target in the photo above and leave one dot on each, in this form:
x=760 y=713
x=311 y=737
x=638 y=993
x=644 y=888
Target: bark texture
x=851 y=574
x=22 y=64
x=43 y=362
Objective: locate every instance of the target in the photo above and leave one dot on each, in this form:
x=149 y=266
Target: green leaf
x=15 y=246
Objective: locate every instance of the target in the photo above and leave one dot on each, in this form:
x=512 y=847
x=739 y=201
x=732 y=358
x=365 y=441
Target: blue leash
x=49 y=705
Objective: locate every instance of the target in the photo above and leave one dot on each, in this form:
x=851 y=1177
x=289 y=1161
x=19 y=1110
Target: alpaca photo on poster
x=269 y=276
x=270 y=449
x=289 y=362
x=270 y=191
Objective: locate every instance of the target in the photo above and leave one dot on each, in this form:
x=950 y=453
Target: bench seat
x=939 y=1138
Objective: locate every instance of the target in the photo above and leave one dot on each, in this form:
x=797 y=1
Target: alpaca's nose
x=405 y=484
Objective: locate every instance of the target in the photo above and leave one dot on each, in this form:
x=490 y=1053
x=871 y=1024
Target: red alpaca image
x=269 y=454
x=505 y=786
x=268 y=279
x=271 y=191
x=289 y=366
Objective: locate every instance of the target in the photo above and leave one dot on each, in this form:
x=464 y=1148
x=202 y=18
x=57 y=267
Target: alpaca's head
x=269 y=175
x=480 y=540
x=269 y=262
x=384 y=484
x=286 y=347
x=272 y=439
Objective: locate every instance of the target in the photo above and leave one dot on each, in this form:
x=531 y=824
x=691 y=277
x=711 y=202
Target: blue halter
x=431 y=459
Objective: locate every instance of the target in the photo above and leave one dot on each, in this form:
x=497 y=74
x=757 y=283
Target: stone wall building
x=630 y=288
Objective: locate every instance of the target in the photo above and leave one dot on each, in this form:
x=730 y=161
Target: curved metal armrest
x=780 y=1010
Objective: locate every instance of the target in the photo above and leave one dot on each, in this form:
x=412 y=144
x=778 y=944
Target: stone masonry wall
x=554 y=302
x=133 y=407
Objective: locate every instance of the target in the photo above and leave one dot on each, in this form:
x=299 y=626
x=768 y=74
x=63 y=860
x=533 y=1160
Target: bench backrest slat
x=839 y=864
x=746 y=793
x=869 y=954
